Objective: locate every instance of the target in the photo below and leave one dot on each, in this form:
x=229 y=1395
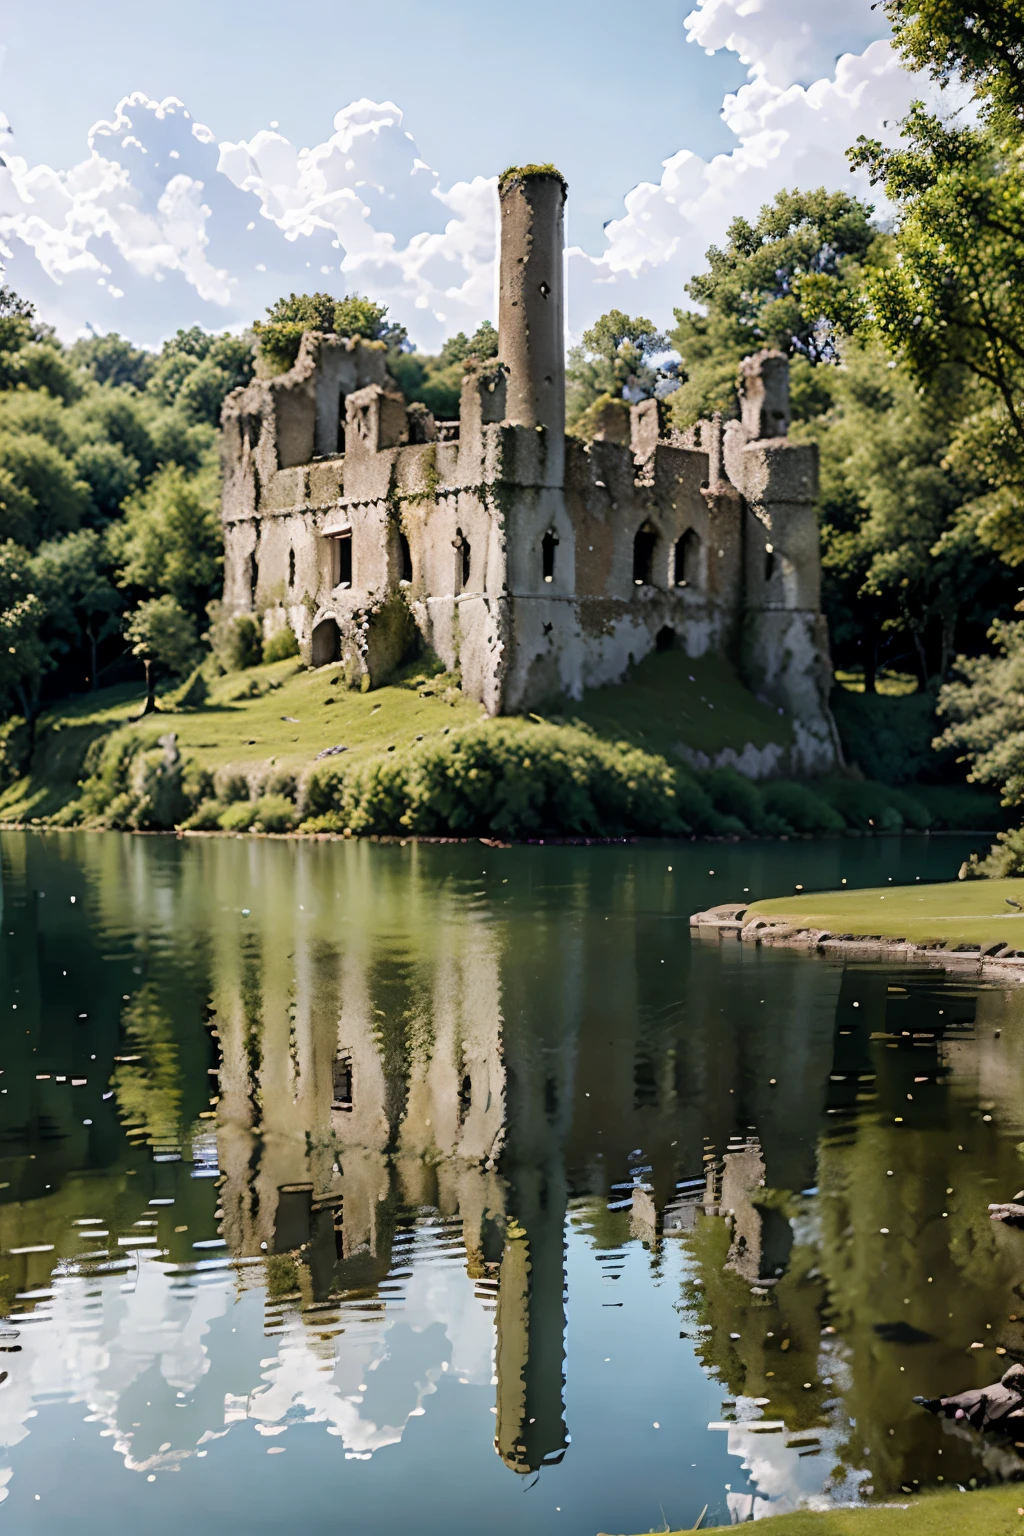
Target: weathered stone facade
x=533 y=564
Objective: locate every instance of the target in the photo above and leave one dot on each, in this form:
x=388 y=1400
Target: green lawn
x=285 y=714
x=959 y=912
x=669 y=699
x=989 y=1512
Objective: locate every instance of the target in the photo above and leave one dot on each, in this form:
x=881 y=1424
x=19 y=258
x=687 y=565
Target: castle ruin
x=533 y=564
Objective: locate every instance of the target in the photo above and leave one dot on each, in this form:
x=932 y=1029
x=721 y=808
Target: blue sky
x=604 y=88
x=162 y=226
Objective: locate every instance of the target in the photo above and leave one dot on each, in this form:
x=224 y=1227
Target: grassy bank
x=279 y=747
x=957 y=912
x=989 y=1512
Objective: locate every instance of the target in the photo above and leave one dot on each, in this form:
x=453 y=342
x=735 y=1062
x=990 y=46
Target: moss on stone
x=513 y=173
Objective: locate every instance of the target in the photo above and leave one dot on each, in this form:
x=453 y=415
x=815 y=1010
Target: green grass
x=988 y=1512
x=958 y=912
x=669 y=699
x=285 y=714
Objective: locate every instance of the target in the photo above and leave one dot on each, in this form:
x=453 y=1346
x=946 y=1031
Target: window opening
x=665 y=639
x=405 y=558
x=463 y=554
x=341 y=559
x=291 y=569
x=548 y=545
x=687 y=559
x=643 y=555
x=465 y=1097
x=254 y=577
x=342 y=1095
x=769 y=562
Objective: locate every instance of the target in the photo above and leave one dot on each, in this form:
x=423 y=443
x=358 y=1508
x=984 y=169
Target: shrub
x=230 y=785
x=137 y=782
x=962 y=807
x=801 y=808
x=280 y=782
x=514 y=782
x=281 y=645
x=206 y=818
x=273 y=813
x=243 y=644
x=238 y=817
x=869 y=806
x=891 y=735
x=738 y=797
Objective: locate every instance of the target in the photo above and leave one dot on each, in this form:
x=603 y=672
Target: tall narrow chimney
x=531 y=319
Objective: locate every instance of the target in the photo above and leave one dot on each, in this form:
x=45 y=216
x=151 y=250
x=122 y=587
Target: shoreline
x=726 y=922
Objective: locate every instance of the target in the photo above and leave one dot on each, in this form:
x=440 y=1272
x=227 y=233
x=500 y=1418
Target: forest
x=905 y=333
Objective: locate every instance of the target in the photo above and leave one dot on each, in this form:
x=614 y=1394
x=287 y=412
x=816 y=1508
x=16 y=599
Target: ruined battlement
x=534 y=563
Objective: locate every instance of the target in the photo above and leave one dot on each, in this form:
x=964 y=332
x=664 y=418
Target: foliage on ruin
x=513 y=173
x=288 y=319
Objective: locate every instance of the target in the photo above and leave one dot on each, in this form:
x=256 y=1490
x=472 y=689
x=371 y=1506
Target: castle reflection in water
x=357 y=1040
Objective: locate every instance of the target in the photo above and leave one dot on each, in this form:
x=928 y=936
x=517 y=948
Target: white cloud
x=797 y=42
x=161 y=225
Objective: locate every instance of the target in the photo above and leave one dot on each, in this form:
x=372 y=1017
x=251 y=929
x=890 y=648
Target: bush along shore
x=279 y=748
x=510 y=779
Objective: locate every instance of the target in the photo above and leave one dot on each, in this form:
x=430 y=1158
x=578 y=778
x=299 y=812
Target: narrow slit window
x=769 y=562
x=291 y=569
x=463 y=560
x=643 y=555
x=548 y=545
x=342 y=1094
x=405 y=559
x=254 y=577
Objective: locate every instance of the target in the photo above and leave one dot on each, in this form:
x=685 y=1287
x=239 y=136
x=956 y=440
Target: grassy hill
x=281 y=745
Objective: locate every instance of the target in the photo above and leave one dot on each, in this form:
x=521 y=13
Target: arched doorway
x=326 y=644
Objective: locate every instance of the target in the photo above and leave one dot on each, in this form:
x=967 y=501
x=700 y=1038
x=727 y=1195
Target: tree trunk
x=948 y=645
x=870 y=648
x=92 y=660
x=150 y=704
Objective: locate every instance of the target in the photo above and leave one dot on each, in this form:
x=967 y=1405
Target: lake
x=447 y=1188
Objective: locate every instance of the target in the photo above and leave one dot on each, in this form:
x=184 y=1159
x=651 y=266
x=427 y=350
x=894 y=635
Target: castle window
x=644 y=546
x=769 y=562
x=254 y=577
x=291 y=569
x=405 y=559
x=341 y=1097
x=686 y=572
x=665 y=639
x=463 y=559
x=547 y=554
x=341 y=559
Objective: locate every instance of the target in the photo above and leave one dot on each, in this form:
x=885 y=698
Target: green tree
x=72 y=577
x=613 y=358
x=953 y=300
x=905 y=578
x=163 y=636
x=111 y=475
x=982 y=45
x=288 y=319
x=24 y=657
x=170 y=539
x=46 y=484
x=112 y=360
x=436 y=380
x=196 y=370
x=763 y=290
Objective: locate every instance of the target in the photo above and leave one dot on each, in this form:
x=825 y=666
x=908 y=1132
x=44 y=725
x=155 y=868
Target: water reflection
x=308 y=1136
